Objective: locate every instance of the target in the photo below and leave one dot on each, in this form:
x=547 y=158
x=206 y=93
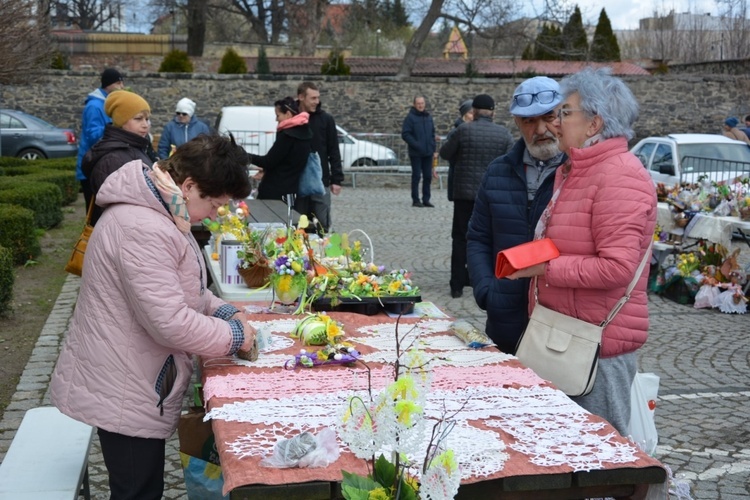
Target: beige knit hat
x=122 y=105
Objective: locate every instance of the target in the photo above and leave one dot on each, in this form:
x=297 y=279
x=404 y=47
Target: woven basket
x=745 y=213
x=255 y=276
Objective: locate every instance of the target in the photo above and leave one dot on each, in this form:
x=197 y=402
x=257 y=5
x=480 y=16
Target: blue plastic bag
x=311 y=180
x=203 y=480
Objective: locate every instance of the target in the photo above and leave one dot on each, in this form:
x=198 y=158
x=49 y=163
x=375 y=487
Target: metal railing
x=693 y=168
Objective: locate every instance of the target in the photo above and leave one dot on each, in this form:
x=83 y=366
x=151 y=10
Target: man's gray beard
x=545 y=151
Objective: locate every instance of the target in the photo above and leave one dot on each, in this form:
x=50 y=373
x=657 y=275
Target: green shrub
x=68 y=164
x=262 y=67
x=12 y=161
x=60 y=60
x=19 y=233
x=335 y=65
x=2 y=171
x=177 y=61
x=43 y=198
x=7 y=277
x=65 y=180
x=232 y=63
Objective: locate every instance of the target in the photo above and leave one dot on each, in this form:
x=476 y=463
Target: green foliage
x=7 y=278
x=354 y=487
x=575 y=43
x=335 y=65
x=548 y=45
x=396 y=13
x=604 y=47
x=19 y=234
x=176 y=61
x=62 y=178
x=12 y=161
x=59 y=60
x=44 y=199
x=528 y=53
x=262 y=67
x=232 y=63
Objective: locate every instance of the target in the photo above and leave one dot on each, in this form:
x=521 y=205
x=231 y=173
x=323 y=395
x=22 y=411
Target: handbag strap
x=628 y=290
x=90 y=210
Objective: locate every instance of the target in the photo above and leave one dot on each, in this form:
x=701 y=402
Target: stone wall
x=669 y=104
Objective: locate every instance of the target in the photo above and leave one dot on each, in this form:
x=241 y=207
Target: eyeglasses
x=543 y=97
x=563 y=113
x=181 y=114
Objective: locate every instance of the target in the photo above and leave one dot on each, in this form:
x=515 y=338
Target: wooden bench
x=48 y=458
x=402 y=170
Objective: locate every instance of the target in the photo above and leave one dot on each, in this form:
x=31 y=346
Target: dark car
x=29 y=137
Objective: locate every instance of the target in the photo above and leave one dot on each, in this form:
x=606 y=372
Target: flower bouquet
x=291 y=260
x=254 y=266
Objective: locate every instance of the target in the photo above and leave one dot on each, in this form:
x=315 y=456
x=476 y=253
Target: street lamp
x=377 y=42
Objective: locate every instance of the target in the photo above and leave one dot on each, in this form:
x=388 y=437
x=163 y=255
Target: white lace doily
x=423 y=327
x=553 y=440
x=436 y=342
x=467 y=357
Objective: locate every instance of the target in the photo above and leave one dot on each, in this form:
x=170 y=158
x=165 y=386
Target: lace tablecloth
x=703 y=226
x=510 y=423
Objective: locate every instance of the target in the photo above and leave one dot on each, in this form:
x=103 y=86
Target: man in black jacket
x=326 y=142
x=470 y=148
x=418 y=131
x=513 y=194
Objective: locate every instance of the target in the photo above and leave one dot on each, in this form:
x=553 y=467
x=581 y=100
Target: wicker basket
x=745 y=213
x=255 y=276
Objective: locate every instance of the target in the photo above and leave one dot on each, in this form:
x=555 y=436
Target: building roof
x=498 y=68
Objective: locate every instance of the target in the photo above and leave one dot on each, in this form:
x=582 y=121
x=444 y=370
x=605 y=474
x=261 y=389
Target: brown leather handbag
x=75 y=263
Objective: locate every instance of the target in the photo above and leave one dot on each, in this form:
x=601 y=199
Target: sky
x=624 y=14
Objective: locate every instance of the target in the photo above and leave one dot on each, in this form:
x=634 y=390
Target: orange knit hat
x=122 y=105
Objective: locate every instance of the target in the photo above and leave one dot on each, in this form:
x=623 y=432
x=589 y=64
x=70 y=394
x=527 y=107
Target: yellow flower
x=333 y=331
x=405 y=410
x=394 y=286
x=378 y=494
x=296 y=267
x=403 y=388
x=303 y=222
x=285 y=283
x=446 y=461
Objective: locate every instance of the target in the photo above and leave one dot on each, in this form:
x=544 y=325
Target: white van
x=254 y=128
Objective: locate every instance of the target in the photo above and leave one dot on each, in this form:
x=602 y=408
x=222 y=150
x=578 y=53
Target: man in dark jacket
x=418 y=131
x=326 y=142
x=471 y=148
x=514 y=192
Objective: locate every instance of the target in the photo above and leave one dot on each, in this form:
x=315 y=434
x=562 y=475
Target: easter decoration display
x=320 y=329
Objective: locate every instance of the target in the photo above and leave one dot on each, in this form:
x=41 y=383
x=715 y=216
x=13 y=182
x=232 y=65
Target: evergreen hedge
x=176 y=61
x=232 y=63
x=7 y=278
x=64 y=179
x=44 y=199
x=19 y=234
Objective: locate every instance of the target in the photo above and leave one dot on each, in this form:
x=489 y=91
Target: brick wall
x=669 y=104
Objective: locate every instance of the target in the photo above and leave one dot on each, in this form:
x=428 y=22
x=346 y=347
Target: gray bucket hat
x=535 y=97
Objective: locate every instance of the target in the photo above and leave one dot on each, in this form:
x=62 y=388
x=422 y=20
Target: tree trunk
x=415 y=44
x=196 y=27
x=307 y=20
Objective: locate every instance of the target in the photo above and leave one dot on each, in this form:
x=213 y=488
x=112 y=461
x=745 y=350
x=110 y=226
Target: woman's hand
x=259 y=175
x=529 y=272
x=248 y=349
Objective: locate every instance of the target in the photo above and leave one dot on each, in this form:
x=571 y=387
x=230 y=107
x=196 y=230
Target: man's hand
x=335 y=189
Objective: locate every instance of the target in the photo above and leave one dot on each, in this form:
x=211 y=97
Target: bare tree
x=24 y=41
x=267 y=18
x=196 y=26
x=412 y=48
x=305 y=20
x=91 y=14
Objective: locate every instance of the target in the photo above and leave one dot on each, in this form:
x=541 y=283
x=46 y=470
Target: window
x=644 y=153
x=663 y=161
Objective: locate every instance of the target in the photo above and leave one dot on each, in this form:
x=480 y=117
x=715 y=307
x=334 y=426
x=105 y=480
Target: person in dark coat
x=326 y=142
x=513 y=194
x=418 y=131
x=465 y=115
x=285 y=161
x=124 y=140
x=472 y=147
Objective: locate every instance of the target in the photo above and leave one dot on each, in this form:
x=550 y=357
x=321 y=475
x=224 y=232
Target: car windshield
x=36 y=121
x=709 y=156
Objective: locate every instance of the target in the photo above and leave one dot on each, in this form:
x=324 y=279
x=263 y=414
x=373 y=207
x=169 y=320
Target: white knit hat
x=185 y=105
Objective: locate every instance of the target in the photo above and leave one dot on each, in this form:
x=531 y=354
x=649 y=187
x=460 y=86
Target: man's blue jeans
x=421 y=166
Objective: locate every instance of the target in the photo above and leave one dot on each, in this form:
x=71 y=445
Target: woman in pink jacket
x=601 y=218
x=143 y=308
